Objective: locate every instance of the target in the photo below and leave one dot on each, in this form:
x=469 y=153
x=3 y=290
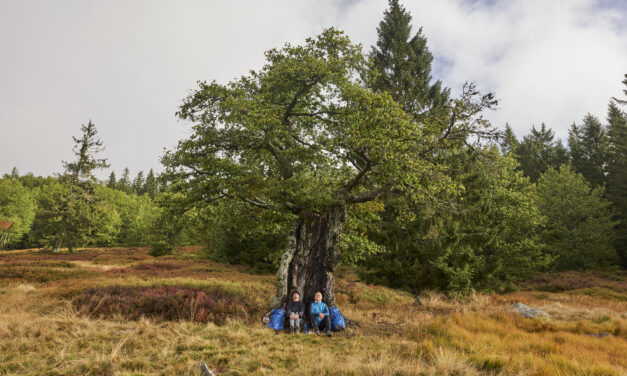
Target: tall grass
x=46 y=330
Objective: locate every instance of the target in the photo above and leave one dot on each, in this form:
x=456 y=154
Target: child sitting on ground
x=319 y=314
x=294 y=311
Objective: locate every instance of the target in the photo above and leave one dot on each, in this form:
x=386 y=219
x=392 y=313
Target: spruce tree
x=574 y=145
x=112 y=182
x=538 y=152
x=579 y=230
x=622 y=101
x=509 y=142
x=124 y=184
x=588 y=145
x=150 y=186
x=138 y=183
x=486 y=239
x=617 y=174
x=78 y=208
x=403 y=62
x=15 y=173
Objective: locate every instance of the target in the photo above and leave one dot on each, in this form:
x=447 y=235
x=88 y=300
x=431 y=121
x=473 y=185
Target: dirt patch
x=103 y=267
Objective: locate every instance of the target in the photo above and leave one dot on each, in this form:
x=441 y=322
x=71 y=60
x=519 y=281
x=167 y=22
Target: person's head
x=318 y=296
x=295 y=296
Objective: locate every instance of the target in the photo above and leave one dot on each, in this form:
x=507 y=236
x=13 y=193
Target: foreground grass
x=43 y=331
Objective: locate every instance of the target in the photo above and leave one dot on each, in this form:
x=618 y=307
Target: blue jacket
x=316 y=308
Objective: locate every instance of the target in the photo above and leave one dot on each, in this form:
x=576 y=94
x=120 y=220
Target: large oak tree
x=305 y=137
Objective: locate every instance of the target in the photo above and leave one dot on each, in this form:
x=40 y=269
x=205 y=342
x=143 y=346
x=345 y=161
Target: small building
x=5 y=227
x=6 y=224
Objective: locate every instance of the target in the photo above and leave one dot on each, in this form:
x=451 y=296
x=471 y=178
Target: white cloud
x=128 y=65
x=547 y=61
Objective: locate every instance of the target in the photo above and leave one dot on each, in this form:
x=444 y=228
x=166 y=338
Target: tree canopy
x=305 y=133
x=538 y=151
x=579 y=229
x=306 y=137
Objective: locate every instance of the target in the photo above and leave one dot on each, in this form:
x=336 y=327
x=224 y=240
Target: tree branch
x=372 y=195
x=353 y=183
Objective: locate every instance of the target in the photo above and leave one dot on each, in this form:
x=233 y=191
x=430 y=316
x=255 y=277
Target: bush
x=160 y=248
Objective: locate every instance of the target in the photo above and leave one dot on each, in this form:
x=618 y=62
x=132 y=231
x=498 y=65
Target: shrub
x=160 y=248
x=573 y=280
x=145 y=266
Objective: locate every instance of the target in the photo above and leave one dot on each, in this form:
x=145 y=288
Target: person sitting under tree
x=319 y=315
x=294 y=311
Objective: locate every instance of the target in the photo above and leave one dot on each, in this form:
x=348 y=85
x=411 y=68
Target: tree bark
x=312 y=254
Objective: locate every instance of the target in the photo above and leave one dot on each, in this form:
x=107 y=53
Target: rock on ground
x=526 y=311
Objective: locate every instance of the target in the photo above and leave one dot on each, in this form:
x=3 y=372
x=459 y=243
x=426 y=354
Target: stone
x=204 y=370
x=600 y=335
x=417 y=301
x=526 y=311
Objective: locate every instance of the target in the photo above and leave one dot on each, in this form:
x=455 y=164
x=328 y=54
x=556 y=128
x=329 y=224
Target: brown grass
x=43 y=331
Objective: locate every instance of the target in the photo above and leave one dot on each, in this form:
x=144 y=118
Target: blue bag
x=337 y=319
x=276 y=319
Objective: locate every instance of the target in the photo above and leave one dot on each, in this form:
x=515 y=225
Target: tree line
x=330 y=155
x=73 y=209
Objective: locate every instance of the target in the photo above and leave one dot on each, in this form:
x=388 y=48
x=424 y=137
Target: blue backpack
x=337 y=319
x=276 y=319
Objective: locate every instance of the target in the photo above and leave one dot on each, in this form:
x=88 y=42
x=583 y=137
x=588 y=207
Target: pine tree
x=617 y=174
x=150 y=186
x=138 y=183
x=112 y=182
x=588 y=145
x=403 y=62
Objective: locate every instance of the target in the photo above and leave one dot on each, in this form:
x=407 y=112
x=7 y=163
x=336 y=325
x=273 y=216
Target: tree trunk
x=57 y=246
x=312 y=254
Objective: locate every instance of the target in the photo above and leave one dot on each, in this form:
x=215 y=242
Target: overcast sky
x=127 y=65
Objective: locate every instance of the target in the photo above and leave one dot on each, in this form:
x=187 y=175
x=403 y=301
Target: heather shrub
x=573 y=280
x=160 y=248
x=170 y=303
x=43 y=274
x=146 y=266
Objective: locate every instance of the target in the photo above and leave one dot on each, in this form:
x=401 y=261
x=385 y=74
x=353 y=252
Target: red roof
x=6 y=224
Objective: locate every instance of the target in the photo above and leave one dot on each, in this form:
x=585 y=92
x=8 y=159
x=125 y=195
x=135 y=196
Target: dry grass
x=43 y=333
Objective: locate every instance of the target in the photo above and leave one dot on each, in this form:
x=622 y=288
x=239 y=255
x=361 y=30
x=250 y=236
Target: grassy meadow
x=119 y=311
